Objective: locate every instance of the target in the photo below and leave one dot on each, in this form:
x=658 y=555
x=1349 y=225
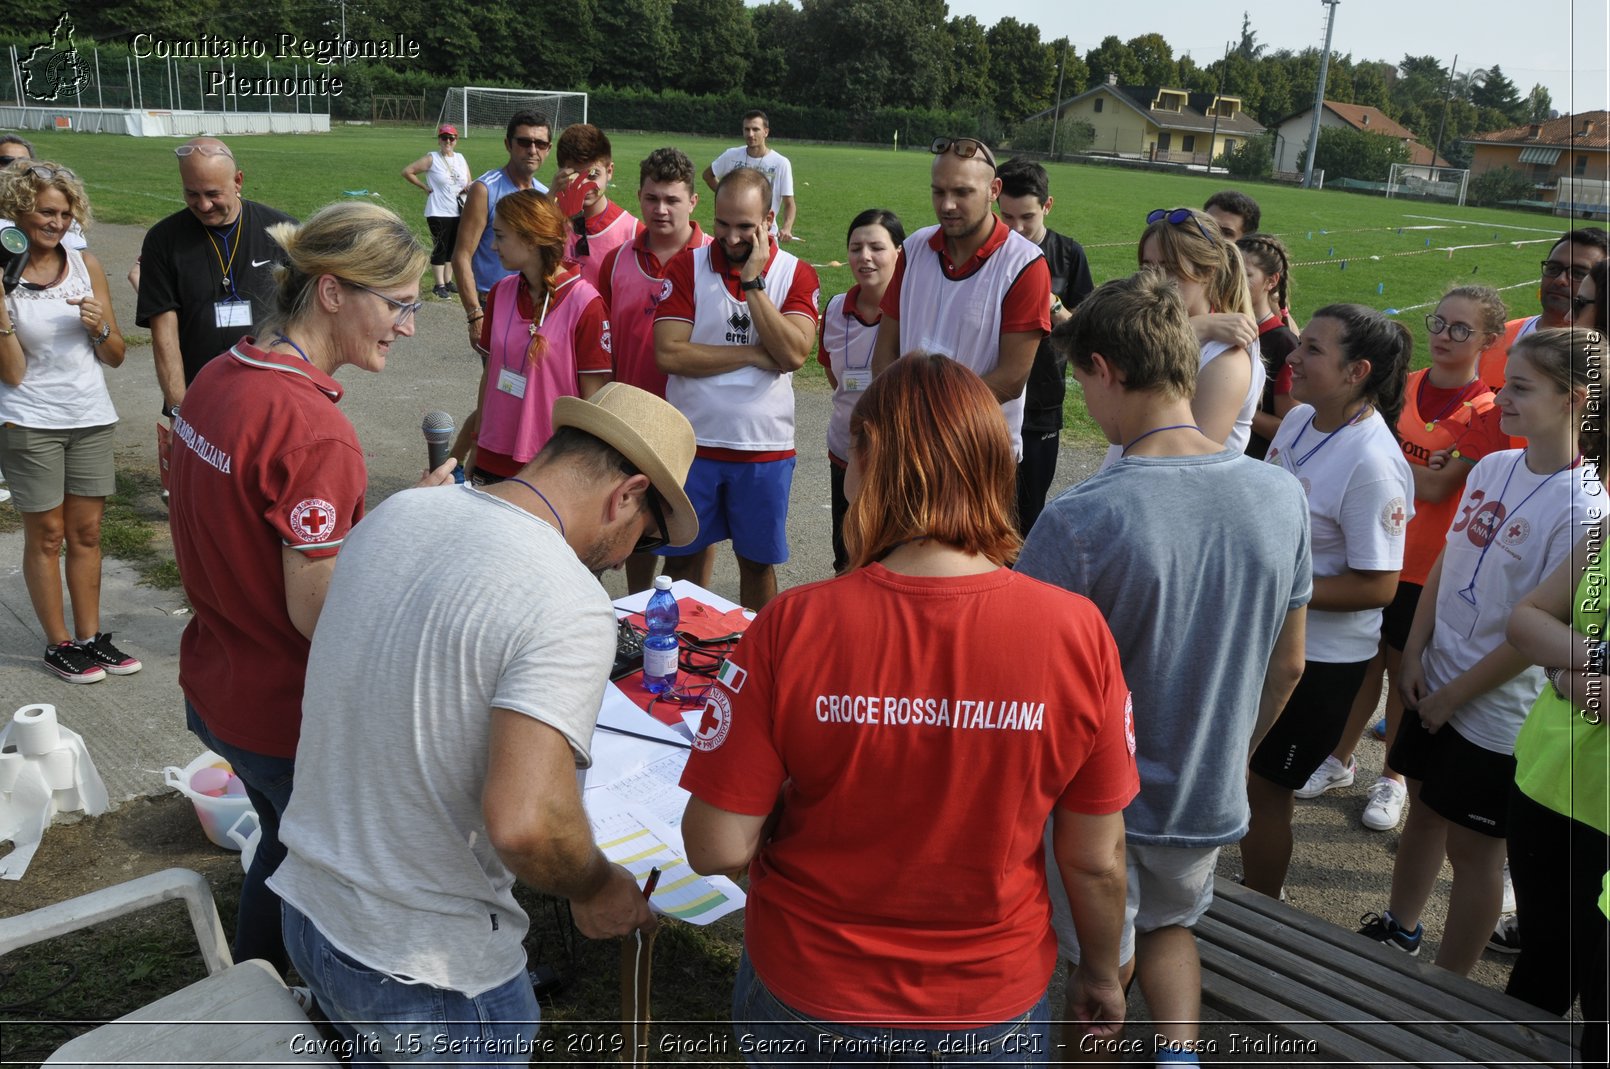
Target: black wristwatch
x=170 y=411
x=752 y=285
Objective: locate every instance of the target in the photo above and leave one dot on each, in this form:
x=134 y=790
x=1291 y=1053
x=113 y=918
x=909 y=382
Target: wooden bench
x=1308 y=991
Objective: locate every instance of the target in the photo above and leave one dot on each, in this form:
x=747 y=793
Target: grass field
x=1347 y=247
x=1397 y=255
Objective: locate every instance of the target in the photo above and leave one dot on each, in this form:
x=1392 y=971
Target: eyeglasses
x=405 y=309
x=1179 y=217
x=532 y=142
x=7 y=161
x=1456 y=331
x=660 y=538
x=1579 y=303
x=1554 y=269
x=965 y=147
x=447 y=137
x=206 y=150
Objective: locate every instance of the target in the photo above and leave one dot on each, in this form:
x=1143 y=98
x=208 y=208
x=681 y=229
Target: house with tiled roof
x=1291 y=133
x=1160 y=123
x=1574 y=147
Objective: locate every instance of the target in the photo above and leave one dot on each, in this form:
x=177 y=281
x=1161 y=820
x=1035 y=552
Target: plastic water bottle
x=659 y=646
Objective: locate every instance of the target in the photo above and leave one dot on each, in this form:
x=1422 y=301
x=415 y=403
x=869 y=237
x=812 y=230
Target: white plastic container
x=217 y=815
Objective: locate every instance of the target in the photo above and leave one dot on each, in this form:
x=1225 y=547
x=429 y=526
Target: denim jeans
x=268 y=786
x=383 y=1020
x=771 y=1034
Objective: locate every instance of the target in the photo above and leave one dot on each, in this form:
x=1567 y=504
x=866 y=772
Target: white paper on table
x=633 y=838
x=656 y=787
x=616 y=755
x=680 y=589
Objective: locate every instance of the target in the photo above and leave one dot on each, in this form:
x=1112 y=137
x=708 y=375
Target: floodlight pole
x=1056 y=108
x=1319 y=94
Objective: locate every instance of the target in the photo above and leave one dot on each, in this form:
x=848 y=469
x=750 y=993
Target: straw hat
x=648 y=432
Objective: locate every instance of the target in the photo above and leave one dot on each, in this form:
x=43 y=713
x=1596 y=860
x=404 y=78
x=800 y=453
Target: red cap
x=447 y=128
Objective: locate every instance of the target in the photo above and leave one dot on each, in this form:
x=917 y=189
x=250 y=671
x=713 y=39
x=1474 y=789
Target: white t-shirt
x=1528 y=523
x=773 y=164
x=1360 y=500
x=1241 y=432
x=63 y=384
x=447 y=177
x=388 y=849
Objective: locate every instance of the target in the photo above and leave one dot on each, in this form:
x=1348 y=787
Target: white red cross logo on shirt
x=313 y=520
x=1394 y=517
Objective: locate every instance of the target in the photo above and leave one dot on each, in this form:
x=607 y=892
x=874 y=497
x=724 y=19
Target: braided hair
x=1268 y=254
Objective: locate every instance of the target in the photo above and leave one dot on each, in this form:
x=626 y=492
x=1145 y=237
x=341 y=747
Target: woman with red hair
x=884 y=749
x=545 y=335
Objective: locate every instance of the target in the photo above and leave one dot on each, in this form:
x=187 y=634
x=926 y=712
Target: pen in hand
x=653 y=879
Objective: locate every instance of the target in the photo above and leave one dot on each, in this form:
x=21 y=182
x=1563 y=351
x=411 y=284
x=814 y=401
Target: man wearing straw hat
x=446 y=711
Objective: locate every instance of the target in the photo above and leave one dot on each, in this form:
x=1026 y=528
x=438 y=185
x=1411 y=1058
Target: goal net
x=1428 y=182
x=471 y=107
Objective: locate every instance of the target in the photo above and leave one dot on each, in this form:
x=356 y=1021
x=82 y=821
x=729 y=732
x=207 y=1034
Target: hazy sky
x=1560 y=43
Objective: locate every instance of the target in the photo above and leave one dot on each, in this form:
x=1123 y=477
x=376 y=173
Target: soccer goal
x=472 y=106
x=1428 y=182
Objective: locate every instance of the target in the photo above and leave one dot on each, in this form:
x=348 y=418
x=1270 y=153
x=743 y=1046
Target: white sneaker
x=1330 y=773
x=1385 y=806
x=1509 y=892
x=5 y=495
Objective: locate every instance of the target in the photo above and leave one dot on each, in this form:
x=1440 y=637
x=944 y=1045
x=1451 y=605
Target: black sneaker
x=73 y=663
x=442 y=293
x=452 y=287
x=1384 y=928
x=1506 y=937
x=109 y=657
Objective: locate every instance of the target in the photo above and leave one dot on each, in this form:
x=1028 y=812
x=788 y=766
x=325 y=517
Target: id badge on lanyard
x=232 y=313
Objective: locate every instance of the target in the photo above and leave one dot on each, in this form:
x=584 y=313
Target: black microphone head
x=437 y=426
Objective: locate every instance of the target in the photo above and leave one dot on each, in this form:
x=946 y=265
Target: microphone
x=438 y=429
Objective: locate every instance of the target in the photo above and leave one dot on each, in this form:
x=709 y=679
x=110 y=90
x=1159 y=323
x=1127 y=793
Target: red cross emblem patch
x=313 y=520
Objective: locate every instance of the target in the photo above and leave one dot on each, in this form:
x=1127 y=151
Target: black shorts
x=1311 y=724
x=1398 y=617
x=1461 y=782
x=443 y=236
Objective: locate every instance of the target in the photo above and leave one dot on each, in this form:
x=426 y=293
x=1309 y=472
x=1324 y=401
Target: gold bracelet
x=8 y=333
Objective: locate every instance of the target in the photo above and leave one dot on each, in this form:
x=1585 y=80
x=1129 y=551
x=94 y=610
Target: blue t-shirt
x=1195 y=562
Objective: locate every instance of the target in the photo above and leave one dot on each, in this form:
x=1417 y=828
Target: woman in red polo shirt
x=888 y=786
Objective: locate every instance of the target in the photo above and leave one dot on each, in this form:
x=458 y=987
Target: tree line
x=855 y=57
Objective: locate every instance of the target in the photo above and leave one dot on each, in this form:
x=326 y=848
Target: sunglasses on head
x=532 y=142
x=1179 y=217
x=1554 y=269
x=206 y=150
x=965 y=147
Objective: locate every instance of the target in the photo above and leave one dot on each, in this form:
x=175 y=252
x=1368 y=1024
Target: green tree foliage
x=1023 y=72
x=1497 y=92
x=969 y=62
x=1156 y=59
x=1114 y=60
x=1076 y=78
x=1365 y=157
x=867 y=54
x=778 y=28
x=1254 y=158
x=1499 y=185
x=1537 y=106
x=715 y=45
x=628 y=31
x=1249 y=49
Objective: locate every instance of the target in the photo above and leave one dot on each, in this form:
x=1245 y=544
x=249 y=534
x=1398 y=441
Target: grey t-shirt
x=445 y=603
x=1195 y=562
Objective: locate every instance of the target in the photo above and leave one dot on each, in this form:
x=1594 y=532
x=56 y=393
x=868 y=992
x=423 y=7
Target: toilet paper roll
x=10 y=768
x=69 y=800
x=34 y=730
x=59 y=768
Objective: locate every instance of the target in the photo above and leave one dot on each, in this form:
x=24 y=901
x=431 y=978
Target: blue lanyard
x=1469 y=592
x=1159 y=430
x=293 y=345
x=1306 y=457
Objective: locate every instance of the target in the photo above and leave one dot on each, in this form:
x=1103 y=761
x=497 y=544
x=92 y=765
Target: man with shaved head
x=971 y=287
x=206 y=271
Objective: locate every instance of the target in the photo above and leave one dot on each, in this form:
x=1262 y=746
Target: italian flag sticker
x=732 y=677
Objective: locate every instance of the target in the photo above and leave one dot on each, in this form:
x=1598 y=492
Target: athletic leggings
x=1564 y=936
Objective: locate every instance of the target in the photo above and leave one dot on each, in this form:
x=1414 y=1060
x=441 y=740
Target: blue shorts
x=744 y=501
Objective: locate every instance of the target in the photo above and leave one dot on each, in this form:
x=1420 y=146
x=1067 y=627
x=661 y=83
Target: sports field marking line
x=1469 y=222
x=1447 y=249
x=1433 y=304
